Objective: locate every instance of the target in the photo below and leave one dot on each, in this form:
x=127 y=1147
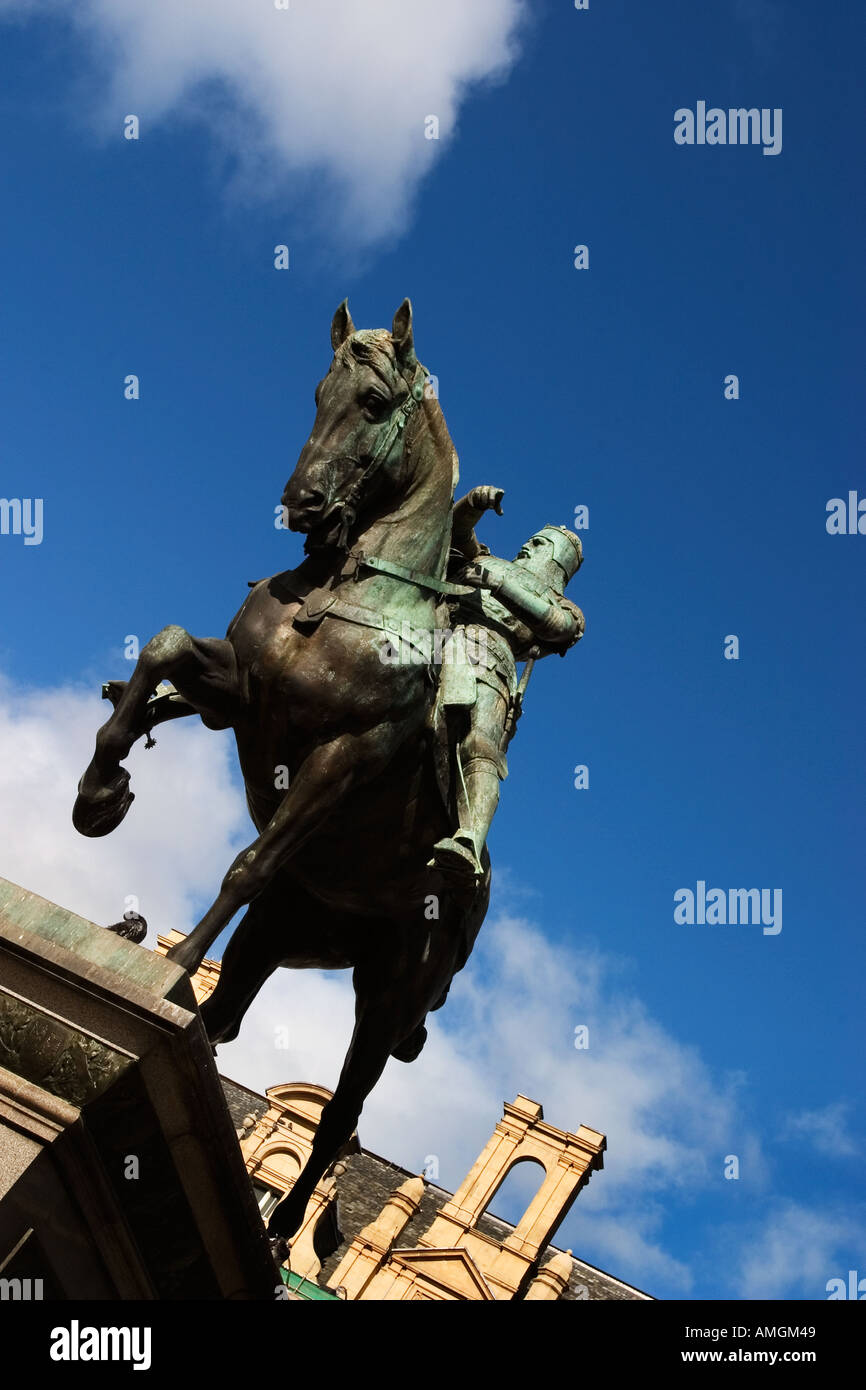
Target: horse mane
x=368 y=345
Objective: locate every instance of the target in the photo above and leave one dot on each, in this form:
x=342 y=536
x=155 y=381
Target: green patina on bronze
x=22 y=913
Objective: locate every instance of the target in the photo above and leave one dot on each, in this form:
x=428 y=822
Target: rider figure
x=517 y=612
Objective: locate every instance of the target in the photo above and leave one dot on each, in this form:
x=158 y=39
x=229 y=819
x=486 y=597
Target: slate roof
x=242 y=1102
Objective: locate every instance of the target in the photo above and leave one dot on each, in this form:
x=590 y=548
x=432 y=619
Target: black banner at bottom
x=59 y=1340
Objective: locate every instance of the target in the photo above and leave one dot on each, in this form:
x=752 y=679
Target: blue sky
x=602 y=387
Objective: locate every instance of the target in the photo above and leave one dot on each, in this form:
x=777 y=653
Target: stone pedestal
x=120 y=1171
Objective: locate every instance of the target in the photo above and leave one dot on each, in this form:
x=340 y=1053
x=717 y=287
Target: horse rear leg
x=204 y=671
x=252 y=955
x=282 y=926
x=327 y=774
x=374 y=1036
x=393 y=996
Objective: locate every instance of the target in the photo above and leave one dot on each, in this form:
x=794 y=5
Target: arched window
x=511 y=1198
x=279 y=1167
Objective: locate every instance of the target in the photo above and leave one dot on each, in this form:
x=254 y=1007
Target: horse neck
x=414 y=529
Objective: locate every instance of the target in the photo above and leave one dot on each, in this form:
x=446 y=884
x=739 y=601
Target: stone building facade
x=374 y=1231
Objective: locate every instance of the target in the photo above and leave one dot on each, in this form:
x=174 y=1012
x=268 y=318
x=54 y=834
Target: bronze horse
x=337 y=877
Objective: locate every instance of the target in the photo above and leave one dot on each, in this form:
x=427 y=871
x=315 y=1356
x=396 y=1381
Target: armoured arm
x=553 y=620
x=466 y=516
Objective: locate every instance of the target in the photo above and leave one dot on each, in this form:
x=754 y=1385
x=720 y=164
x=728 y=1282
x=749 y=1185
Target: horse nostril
x=306 y=497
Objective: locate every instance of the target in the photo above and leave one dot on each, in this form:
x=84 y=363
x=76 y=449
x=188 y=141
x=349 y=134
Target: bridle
x=394 y=430
x=325 y=601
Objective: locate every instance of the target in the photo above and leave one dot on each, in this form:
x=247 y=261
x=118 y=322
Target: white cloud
x=330 y=88
x=825 y=1128
x=795 y=1251
x=187 y=823
x=509 y=1027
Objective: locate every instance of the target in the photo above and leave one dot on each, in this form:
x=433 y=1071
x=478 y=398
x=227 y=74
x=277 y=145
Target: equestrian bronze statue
x=370 y=781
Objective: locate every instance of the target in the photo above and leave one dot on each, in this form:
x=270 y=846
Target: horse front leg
x=204 y=671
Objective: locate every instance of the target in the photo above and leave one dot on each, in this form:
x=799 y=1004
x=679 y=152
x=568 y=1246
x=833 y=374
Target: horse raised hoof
x=98 y=813
x=410 y=1047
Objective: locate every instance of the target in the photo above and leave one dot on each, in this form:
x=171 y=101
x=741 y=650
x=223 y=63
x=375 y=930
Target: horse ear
x=401 y=333
x=342 y=326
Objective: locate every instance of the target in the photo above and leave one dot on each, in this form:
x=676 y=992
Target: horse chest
x=300 y=678
x=321 y=681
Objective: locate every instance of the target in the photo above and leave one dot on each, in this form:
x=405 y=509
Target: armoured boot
x=459 y=856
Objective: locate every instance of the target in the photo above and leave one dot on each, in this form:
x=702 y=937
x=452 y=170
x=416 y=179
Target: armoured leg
x=482 y=767
x=482 y=776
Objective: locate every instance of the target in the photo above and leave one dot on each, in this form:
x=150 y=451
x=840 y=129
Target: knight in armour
x=516 y=611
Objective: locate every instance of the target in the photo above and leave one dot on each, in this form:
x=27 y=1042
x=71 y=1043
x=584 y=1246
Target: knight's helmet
x=554 y=554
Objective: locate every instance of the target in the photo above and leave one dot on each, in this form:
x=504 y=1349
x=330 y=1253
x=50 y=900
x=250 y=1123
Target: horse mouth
x=305 y=517
x=305 y=522
x=321 y=526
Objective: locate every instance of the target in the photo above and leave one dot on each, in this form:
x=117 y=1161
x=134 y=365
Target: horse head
x=356 y=454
